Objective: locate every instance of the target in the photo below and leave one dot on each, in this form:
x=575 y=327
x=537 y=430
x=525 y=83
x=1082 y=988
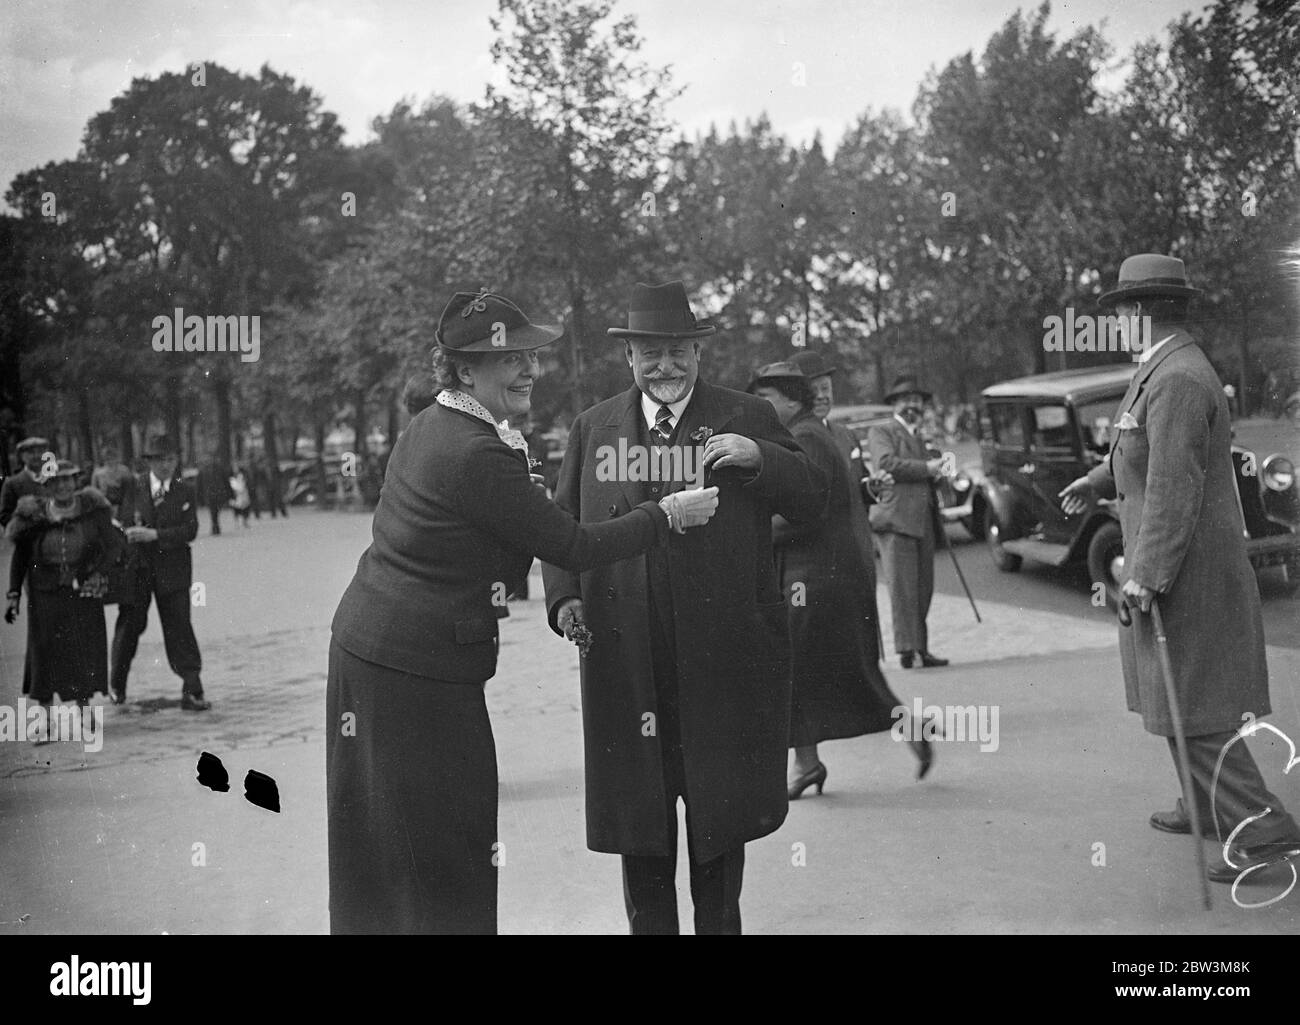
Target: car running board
x=1039 y=551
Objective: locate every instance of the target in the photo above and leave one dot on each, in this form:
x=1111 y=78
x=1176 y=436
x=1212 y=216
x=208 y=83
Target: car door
x=1053 y=461
x=1006 y=429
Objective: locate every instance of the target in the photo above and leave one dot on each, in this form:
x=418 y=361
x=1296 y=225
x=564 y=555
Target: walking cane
x=1180 y=740
x=960 y=576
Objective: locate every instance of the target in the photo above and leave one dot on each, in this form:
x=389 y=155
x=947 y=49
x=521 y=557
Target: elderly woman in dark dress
x=839 y=690
x=64 y=545
x=411 y=764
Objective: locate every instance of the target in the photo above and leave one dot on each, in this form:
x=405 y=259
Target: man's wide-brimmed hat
x=1149 y=275
x=160 y=446
x=813 y=364
x=662 y=311
x=32 y=442
x=786 y=370
x=486 y=322
x=907 y=385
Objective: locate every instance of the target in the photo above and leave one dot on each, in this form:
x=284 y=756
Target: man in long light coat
x=1170 y=468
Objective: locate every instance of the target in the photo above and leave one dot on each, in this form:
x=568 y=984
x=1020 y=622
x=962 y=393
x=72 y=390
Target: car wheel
x=1106 y=560
x=1002 y=559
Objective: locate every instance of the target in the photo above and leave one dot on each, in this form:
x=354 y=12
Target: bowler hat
x=812 y=363
x=487 y=322
x=160 y=447
x=1149 y=275
x=662 y=311
x=905 y=385
x=787 y=370
x=32 y=442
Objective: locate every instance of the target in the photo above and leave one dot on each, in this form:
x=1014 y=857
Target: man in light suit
x=686 y=685
x=1170 y=467
x=160 y=520
x=906 y=520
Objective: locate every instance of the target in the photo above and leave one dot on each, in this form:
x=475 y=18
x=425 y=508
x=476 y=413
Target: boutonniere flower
x=701 y=434
x=534 y=465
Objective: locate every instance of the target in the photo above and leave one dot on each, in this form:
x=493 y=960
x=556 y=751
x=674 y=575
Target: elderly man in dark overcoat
x=686 y=685
x=1170 y=468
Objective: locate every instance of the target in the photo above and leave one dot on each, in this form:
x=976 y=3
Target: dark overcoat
x=1173 y=475
x=838 y=688
x=732 y=648
x=163 y=566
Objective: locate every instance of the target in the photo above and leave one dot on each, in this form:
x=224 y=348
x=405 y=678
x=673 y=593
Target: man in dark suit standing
x=160 y=522
x=1170 y=468
x=27 y=481
x=686 y=685
x=906 y=520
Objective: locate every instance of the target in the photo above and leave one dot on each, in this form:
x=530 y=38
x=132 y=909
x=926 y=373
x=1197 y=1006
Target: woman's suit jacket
x=456 y=529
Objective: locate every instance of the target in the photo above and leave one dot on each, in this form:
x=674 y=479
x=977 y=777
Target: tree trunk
x=392 y=421
x=221 y=393
x=126 y=440
x=272 y=460
x=84 y=427
x=1243 y=382
x=359 y=424
x=172 y=412
x=322 y=485
x=189 y=441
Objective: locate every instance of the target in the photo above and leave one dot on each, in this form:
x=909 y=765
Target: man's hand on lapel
x=723 y=450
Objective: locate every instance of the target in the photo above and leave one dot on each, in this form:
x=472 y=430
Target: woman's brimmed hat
x=487 y=322
x=907 y=385
x=662 y=311
x=64 y=468
x=787 y=370
x=813 y=364
x=1150 y=275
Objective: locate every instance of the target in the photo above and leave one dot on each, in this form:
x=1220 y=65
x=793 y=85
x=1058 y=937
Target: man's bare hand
x=723 y=450
x=570 y=615
x=1077 y=496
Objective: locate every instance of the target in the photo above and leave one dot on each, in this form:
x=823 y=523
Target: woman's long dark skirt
x=67 y=645
x=412 y=793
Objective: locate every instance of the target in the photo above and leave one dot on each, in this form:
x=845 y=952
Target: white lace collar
x=453 y=398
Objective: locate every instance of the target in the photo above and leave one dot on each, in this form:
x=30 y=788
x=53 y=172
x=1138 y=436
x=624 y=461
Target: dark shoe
x=930 y=661
x=1177 y=821
x=907 y=658
x=194 y=703
x=1252 y=857
x=816 y=777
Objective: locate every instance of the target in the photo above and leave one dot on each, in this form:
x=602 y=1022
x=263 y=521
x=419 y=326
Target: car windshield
x=1007 y=425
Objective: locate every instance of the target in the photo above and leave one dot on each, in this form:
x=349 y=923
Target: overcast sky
x=62 y=61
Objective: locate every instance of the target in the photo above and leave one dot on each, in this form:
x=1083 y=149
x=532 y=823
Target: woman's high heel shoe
x=923 y=749
x=815 y=777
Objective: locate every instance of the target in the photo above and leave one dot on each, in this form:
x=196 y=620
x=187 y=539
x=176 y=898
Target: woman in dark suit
x=64 y=545
x=838 y=688
x=411 y=764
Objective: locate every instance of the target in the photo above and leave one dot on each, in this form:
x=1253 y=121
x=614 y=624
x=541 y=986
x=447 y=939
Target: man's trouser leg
x=131 y=621
x=900 y=558
x=1239 y=794
x=179 y=640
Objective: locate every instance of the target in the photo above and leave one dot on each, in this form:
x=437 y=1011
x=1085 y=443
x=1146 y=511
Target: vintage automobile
x=960 y=495
x=1039 y=433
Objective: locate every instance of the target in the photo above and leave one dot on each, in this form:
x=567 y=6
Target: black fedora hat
x=786 y=370
x=1150 y=275
x=905 y=385
x=662 y=311
x=160 y=446
x=812 y=363
x=487 y=322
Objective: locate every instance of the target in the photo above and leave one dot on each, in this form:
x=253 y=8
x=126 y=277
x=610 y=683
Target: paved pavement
x=125 y=839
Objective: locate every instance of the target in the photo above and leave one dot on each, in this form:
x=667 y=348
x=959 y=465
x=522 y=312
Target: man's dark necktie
x=663 y=429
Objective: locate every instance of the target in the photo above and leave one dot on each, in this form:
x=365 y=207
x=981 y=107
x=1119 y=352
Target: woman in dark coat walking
x=411 y=764
x=839 y=690
x=64 y=545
